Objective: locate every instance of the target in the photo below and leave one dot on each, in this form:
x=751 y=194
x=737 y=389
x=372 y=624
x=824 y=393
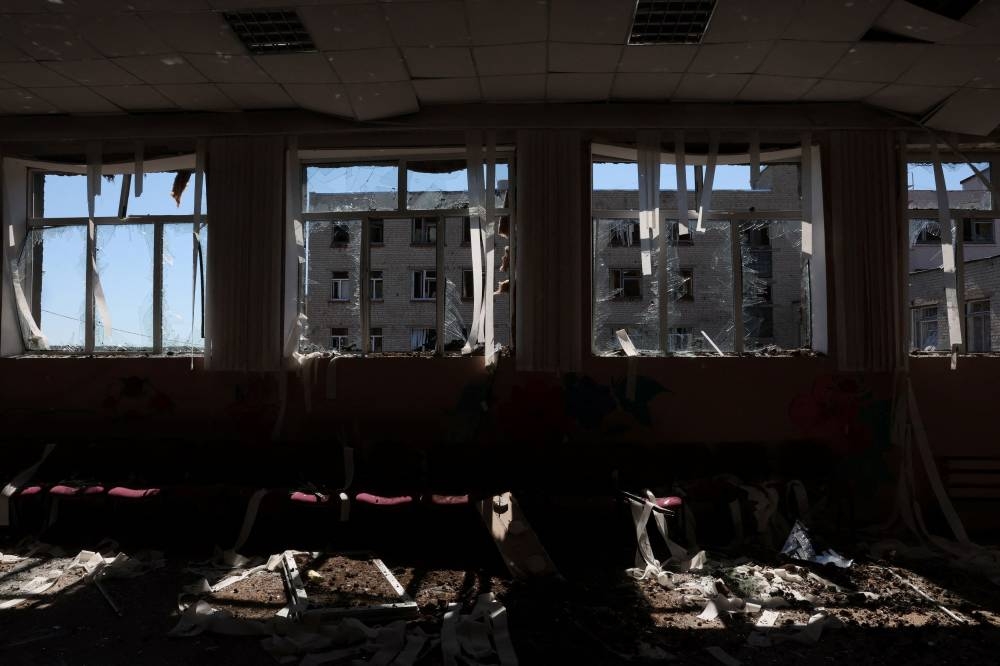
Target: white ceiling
x=380 y=58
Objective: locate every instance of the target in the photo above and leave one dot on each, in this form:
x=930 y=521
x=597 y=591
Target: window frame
x=418 y=276
x=380 y=280
x=620 y=291
x=343 y=337
x=341 y=286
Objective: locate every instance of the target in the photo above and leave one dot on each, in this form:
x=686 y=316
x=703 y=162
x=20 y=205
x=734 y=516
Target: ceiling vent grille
x=670 y=21
x=270 y=31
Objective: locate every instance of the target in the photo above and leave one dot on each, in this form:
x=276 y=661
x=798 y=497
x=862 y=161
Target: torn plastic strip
x=139 y=174
x=648 y=164
x=474 y=171
x=199 y=175
x=489 y=194
x=705 y=205
x=947 y=256
x=97 y=291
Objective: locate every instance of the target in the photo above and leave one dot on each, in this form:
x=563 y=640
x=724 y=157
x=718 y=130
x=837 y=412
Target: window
x=626 y=284
x=424 y=285
x=758 y=322
x=339 y=235
x=424 y=231
x=466 y=230
x=468 y=286
x=623 y=233
x=685 y=291
x=925 y=328
x=338 y=339
x=339 y=289
x=680 y=339
x=679 y=234
x=978 y=326
x=375 y=341
x=376 y=229
x=423 y=339
x=977 y=231
x=375 y=291
x=930 y=233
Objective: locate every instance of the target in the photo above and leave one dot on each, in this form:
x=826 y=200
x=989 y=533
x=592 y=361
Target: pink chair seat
x=668 y=502
x=368 y=498
x=449 y=500
x=133 y=493
x=30 y=490
x=309 y=498
x=75 y=491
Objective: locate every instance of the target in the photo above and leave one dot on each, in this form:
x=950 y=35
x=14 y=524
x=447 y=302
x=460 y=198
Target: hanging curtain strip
x=754 y=159
x=705 y=206
x=199 y=176
x=489 y=194
x=94 y=190
x=474 y=158
x=805 y=174
x=140 y=150
x=947 y=256
x=31 y=335
x=648 y=164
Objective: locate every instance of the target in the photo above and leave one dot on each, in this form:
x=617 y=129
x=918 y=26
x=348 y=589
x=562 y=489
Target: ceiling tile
x=509 y=22
x=369 y=65
x=710 y=86
x=639 y=85
x=447 y=91
x=970 y=111
x=117 y=35
x=93 y=72
x=97 y=6
x=161 y=69
x=882 y=62
x=529 y=87
x=46 y=37
x=657 y=58
x=909 y=99
x=382 y=100
x=76 y=99
x=194 y=32
x=322 y=97
x=573 y=87
x=583 y=57
x=985 y=21
x=298 y=68
x=229 y=68
x=742 y=20
x=592 y=21
x=17 y=101
x=905 y=18
x=510 y=59
x=135 y=98
x=10 y=53
x=834 y=20
x=729 y=58
x=439 y=62
x=427 y=24
x=828 y=90
x=31 y=75
x=802 y=58
x=347 y=27
x=197 y=96
x=941 y=65
x=257 y=95
x=762 y=88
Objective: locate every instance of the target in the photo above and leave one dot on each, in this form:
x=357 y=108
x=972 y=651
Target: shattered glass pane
x=965 y=189
x=125 y=267
x=437 y=184
x=351 y=187
x=332 y=287
x=64 y=285
x=65 y=195
x=928 y=311
x=459 y=292
x=775 y=285
x=407 y=313
x=700 y=291
x=502 y=271
x=178 y=243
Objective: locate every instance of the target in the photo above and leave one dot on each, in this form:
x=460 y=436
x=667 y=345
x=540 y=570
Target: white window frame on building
x=979 y=325
x=340 y=286
x=424 y=284
x=924 y=317
x=375 y=340
x=376 y=291
x=424 y=231
x=339 y=337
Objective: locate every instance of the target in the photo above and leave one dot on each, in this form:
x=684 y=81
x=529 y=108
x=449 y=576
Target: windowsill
x=703 y=355
x=423 y=300
x=104 y=355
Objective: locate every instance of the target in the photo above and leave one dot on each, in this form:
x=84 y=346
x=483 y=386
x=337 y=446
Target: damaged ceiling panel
x=128 y=57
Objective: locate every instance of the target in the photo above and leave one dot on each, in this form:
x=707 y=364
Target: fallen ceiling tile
x=872 y=61
x=93 y=72
x=197 y=97
x=909 y=99
x=810 y=59
x=369 y=65
x=657 y=58
x=644 y=85
x=740 y=20
x=510 y=59
x=257 y=95
x=834 y=20
x=439 y=62
x=229 y=68
x=969 y=111
x=427 y=23
x=117 y=35
x=9 y=53
x=904 y=18
x=762 y=88
x=194 y=32
x=942 y=65
x=161 y=69
x=372 y=101
x=76 y=99
x=347 y=27
x=135 y=98
x=710 y=86
x=827 y=90
x=522 y=88
x=741 y=58
x=17 y=101
x=298 y=68
x=322 y=97
x=447 y=91
x=583 y=57
x=590 y=87
x=31 y=75
x=509 y=22
x=984 y=22
x=591 y=21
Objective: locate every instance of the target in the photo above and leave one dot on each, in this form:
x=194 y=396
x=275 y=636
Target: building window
x=339 y=289
x=424 y=231
x=423 y=339
x=679 y=339
x=340 y=235
x=376 y=231
x=758 y=321
x=375 y=292
x=466 y=230
x=468 y=287
x=925 y=328
x=977 y=231
x=338 y=339
x=679 y=234
x=375 y=341
x=424 y=285
x=930 y=233
x=626 y=284
x=685 y=291
x=623 y=233
x=978 y=326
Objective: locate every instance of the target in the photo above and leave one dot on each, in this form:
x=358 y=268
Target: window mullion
x=89 y=320
x=960 y=275
x=401 y=200
x=365 y=278
x=441 y=284
x=158 y=288
x=737 y=260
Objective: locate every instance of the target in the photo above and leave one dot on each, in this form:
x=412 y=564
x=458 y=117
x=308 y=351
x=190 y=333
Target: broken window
x=685 y=290
x=376 y=292
x=623 y=233
x=351 y=187
x=340 y=235
x=424 y=231
x=375 y=343
x=979 y=232
x=680 y=339
x=467 y=288
x=338 y=338
x=376 y=231
x=423 y=339
x=424 y=285
x=925 y=329
x=339 y=290
x=625 y=284
x=331 y=298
